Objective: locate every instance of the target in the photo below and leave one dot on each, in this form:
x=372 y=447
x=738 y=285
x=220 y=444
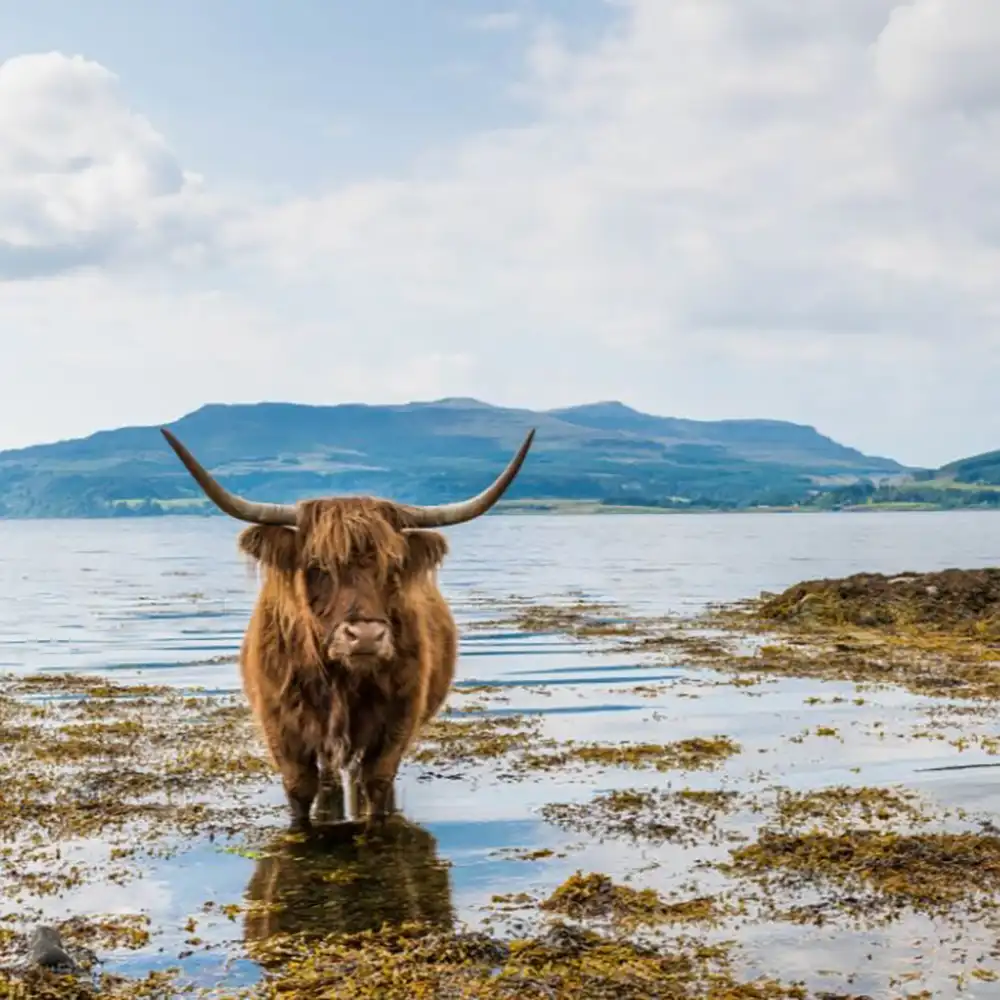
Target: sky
x=702 y=208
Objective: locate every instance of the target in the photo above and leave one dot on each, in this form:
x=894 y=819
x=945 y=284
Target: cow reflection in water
x=339 y=883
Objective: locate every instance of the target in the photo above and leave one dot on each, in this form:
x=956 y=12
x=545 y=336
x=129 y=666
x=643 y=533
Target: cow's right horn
x=465 y=510
x=230 y=503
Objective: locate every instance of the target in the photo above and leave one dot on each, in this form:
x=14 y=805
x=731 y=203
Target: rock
x=45 y=949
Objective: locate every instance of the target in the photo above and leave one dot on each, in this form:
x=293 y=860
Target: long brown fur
x=318 y=716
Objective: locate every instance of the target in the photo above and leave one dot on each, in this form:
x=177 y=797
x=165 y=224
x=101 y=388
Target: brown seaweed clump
x=140 y=768
x=876 y=874
x=953 y=601
x=42 y=984
x=564 y=963
x=595 y=895
x=844 y=807
x=515 y=743
x=694 y=754
x=447 y=743
x=688 y=816
x=861 y=852
x=931 y=633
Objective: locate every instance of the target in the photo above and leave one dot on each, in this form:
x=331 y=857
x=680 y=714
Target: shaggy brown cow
x=351 y=646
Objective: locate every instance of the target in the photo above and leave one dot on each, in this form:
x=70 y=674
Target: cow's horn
x=229 y=503
x=466 y=510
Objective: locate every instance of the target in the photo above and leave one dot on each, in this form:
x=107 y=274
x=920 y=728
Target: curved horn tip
x=528 y=441
x=169 y=435
x=230 y=503
x=444 y=515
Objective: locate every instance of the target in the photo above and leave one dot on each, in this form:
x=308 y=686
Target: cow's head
x=346 y=566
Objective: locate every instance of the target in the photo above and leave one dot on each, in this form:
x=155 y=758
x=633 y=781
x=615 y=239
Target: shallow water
x=164 y=601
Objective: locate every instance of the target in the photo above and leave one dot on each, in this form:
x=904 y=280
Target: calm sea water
x=155 y=598
x=166 y=601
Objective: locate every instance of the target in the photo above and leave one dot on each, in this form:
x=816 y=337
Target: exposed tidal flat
x=642 y=787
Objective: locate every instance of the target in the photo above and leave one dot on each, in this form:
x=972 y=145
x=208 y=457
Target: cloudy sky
x=704 y=208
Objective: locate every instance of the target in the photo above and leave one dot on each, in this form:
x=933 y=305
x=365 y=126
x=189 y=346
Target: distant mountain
x=427 y=452
x=979 y=470
x=757 y=440
x=963 y=484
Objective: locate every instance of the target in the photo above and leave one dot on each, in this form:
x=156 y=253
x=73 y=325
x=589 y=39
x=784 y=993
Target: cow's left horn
x=466 y=510
x=230 y=503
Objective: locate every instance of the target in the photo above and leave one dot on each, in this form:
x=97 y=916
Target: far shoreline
x=536 y=508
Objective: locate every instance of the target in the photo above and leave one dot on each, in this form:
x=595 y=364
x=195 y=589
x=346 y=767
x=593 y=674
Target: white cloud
x=695 y=175
x=83 y=178
x=722 y=208
x=937 y=55
x=98 y=352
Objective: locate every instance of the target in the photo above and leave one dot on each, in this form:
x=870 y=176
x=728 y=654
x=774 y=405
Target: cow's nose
x=364 y=636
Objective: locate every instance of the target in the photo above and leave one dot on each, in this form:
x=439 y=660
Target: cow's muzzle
x=361 y=640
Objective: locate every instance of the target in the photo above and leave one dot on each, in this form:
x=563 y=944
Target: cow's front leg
x=355 y=794
x=380 y=797
x=378 y=782
x=299 y=772
x=330 y=805
x=301 y=780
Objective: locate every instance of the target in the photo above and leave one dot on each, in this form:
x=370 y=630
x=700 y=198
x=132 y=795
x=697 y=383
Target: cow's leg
x=330 y=798
x=355 y=794
x=378 y=778
x=330 y=806
x=296 y=761
x=301 y=780
x=390 y=798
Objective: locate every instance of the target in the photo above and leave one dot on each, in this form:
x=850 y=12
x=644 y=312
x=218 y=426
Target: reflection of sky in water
x=165 y=601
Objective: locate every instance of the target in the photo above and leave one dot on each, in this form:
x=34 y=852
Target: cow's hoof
x=377 y=823
x=329 y=805
x=300 y=824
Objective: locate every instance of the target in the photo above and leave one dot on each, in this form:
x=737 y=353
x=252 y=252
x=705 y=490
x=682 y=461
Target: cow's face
x=359 y=597
x=355 y=612
x=363 y=607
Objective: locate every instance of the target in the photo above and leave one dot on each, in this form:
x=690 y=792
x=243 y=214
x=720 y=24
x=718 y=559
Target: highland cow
x=351 y=646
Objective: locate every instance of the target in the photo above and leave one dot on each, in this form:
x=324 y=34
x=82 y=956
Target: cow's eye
x=319 y=582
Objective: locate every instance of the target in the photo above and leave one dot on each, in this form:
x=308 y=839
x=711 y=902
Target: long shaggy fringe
x=361 y=533
x=358 y=531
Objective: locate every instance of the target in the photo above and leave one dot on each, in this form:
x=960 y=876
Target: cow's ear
x=272 y=546
x=425 y=551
